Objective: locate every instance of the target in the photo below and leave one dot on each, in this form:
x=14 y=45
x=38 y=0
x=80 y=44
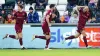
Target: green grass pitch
x=54 y=52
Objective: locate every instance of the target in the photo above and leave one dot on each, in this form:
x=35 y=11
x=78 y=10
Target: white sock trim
x=21 y=46
x=8 y=36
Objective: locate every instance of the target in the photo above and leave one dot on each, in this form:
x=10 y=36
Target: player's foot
x=33 y=37
x=63 y=41
x=23 y=48
x=5 y=36
x=47 y=49
x=89 y=47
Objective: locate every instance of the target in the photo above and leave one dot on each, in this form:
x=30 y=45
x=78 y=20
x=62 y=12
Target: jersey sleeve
x=25 y=16
x=15 y=15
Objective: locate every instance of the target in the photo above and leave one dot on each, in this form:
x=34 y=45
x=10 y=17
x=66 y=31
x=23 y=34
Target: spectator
x=82 y=2
x=65 y=18
x=74 y=18
x=97 y=13
x=20 y=2
x=41 y=4
x=30 y=1
x=1 y=20
x=92 y=6
x=56 y=19
x=98 y=4
x=9 y=4
x=33 y=16
x=98 y=16
x=10 y=19
x=71 y=4
x=3 y=14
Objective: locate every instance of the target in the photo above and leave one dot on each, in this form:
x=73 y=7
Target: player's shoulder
x=23 y=12
x=48 y=12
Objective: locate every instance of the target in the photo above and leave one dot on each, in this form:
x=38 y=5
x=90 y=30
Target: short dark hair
x=52 y=5
x=30 y=8
x=21 y=6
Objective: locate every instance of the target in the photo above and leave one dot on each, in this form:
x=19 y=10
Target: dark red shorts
x=46 y=30
x=18 y=29
x=80 y=30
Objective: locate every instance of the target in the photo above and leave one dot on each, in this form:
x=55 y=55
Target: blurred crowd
x=70 y=15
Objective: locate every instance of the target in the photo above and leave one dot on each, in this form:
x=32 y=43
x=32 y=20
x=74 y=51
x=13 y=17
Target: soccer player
x=21 y=17
x=45 y=26
x=83 y=17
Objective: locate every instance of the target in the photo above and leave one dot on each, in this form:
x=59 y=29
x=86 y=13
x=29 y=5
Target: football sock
x=47 y=43
x=12 y=36
x=85 y=41
x=21 y=41
x=41 y=37
x=71 y=37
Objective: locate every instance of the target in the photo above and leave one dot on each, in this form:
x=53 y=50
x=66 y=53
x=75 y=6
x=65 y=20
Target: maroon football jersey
x=45 y=26
x=20 y=17
x=48 y=13
x=83 y=17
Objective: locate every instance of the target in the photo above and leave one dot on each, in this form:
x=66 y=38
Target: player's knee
x=47 y=37
x=77 y=35
x=20 y=35
x=84 y=34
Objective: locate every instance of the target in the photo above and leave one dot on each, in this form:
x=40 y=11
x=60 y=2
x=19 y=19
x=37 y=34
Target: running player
x=21 y=17
x=83 y=17
x=45 y=26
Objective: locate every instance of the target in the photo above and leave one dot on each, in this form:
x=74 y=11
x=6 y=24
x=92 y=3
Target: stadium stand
x=61 y=6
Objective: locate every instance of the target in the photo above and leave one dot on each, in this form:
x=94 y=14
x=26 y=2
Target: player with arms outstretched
x=84 y=15
x=20 y=17
x=45 y=26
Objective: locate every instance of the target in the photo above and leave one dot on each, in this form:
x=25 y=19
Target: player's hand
x=89 y=20
x=25 y=22
x=49 y=25
x=41 y=4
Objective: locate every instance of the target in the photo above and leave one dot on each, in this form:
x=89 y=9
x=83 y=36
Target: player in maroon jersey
x=21 y=17
x=83 y=17
x=45 y=26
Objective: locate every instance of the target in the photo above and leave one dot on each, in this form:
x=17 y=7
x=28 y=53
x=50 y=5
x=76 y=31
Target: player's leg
x=21 y=40
x=41 y=37
x=11 y=36
x=48 y=36
x=84 y=38
x=45 y=31
x=73 y=36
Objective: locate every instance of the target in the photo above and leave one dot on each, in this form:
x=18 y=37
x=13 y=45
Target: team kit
x=21 y=18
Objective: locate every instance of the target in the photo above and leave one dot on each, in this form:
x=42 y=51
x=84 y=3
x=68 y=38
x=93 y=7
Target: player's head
x=20 y=7
x=31 y=9
x=52 y=7
x=9 y=16
x=86 y=9
x=2 y=11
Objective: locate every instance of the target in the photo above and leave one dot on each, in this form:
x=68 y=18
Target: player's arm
x=47 y=19
x=79 y=7
x=87 y=16
x=25 y=20
x=15 y=15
